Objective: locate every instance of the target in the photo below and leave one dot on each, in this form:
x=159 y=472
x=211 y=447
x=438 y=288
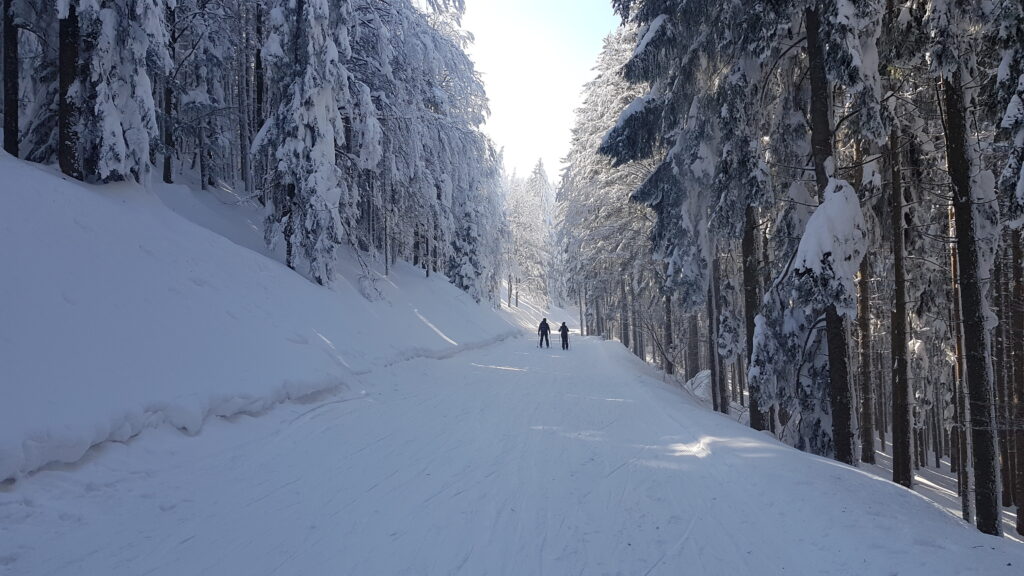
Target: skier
x=564 y=331
x=543 y=331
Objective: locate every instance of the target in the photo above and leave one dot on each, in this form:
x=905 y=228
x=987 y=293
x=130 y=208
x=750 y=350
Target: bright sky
x=535 y=56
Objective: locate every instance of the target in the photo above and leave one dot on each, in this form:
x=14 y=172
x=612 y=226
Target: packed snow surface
x=502 y=460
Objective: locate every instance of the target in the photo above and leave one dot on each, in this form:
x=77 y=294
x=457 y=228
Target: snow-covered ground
x=502 y=460
x=330 y=434
x=118 y=315
x=938 y=485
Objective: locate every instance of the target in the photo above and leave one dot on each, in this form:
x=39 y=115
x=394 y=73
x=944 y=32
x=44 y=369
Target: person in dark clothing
x=564 y=331
x=543 y=330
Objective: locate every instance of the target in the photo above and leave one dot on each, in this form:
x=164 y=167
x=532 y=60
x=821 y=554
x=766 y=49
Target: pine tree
x=971 y=189
x=119 y=39
x=68 y=154
x=308 y=197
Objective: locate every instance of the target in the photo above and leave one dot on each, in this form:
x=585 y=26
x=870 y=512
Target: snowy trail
x=504 y=460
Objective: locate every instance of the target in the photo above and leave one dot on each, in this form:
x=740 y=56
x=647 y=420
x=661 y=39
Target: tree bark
x=902 y=463
x=867 y=383
x=639 y=349
x=741 y=380
x=963 y=447
x=579 y=303
x=750 y=306
x=1000 y=358
x=168 y=123
x=668 y=365
x=835 y=326
x=716 y=397
x=11 y=80
x=204 y=156
x=976 y=338
x=723 y=386
x=624 y=315
x=289 y=227
x=714 y=360
x=67 y=109
x=692 y=347
x=1017 y=337
x=259 y=112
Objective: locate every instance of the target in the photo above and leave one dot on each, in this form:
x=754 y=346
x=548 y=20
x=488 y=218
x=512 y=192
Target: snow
x=635 y=107
x=652 y=30
x=501 y=460
x=939 y=485
x=120 y=316
x=416 y=434
x=832 y=245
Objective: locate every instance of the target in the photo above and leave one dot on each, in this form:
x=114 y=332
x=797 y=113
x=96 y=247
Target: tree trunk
x=579 y=303
x=1017 y=338
x=976 y=338
x=692 y=349
x=1000 y=357
x=821 y=123
x=427 y=264
x=734 y=382
x=624 y=315
x=244 y=132
x=168 y=123
x=259 y=112
x=289 y=227
x=716 y=394
x=67 y=108
x=902 y=463
x=638 y=341
x=963 y=444
x=741 y=381
x=11 y=80
x=713 y=357
x=937 y=427
x=204 y=156
x=821 y=146
x=867 y=381
x=667 y=364
x=750 y=306
x=881 y=400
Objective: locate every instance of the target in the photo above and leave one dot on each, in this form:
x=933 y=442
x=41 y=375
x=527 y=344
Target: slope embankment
x=122 y=309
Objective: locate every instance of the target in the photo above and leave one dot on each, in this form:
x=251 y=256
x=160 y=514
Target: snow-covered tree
x=305 y=50
x=122 y=41
x=530 y=217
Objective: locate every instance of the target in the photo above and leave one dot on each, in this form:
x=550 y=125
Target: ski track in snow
x=500 y=460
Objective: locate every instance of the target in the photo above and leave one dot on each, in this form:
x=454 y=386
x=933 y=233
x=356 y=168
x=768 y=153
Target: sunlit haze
x=535 y=56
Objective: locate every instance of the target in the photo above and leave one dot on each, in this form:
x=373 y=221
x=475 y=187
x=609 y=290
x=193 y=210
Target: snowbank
x=118 y=314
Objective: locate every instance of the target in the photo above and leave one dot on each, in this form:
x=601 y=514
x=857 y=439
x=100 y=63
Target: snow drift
x=119 y=314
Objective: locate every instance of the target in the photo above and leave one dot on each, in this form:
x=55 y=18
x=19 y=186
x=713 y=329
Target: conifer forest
x=814 y=208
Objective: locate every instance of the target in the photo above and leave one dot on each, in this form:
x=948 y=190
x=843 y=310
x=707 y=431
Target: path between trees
x=504 y=460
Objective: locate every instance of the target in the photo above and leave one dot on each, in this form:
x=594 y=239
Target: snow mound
x=120 y=314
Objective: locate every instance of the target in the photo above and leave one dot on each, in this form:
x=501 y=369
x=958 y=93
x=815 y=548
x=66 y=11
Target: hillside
x=120 y=314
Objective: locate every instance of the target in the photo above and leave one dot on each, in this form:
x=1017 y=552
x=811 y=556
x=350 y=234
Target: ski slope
x=500 y=460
